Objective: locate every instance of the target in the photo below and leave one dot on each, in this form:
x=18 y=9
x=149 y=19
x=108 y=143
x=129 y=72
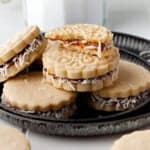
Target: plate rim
x=88 y=120
x=34 y=121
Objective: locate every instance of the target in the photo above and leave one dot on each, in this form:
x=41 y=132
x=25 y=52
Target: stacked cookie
x=19 y=52
x=76 y=58
x=80 y=58
x=129 y=91
x=29 y=92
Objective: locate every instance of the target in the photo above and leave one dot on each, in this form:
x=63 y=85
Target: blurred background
x=129 y=16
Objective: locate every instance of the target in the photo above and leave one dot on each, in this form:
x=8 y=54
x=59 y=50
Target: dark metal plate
x=88 y=122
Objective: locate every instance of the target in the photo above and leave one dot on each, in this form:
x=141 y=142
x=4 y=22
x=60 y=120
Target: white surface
x=11 y=20
x=130 y=16
x=49 y=14
x=66 y=143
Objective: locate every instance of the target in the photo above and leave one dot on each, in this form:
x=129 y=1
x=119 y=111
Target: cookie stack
x=80 y=58
x=76 y=58
x=129 y=91
x=28 y=91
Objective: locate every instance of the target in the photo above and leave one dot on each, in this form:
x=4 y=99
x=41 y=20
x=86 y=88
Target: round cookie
x=138 y=140
x=19 y=52
x=30 y=93
x=17 y=43
x=12 y=139
x=130 y=90
x=87 y=38
x=75 y=71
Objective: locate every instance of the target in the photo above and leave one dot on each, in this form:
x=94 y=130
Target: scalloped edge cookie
x=22 y=60
x=87 y=38
x=75 y=65
x=17 y=43
x=31 y=93
x=130 y=90
x=86 y=85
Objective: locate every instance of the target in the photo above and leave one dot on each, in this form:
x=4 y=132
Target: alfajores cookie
x=30 y=93
x=138 y=140
x=130 y=90
x=86 y=38
x=75 y=71
x=20 y=51
x=13 y=139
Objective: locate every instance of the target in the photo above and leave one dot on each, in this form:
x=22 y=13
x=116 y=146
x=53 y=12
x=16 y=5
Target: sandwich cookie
x=19 y=52
x=13 y=139
x=130 y=90
x=86 y=38
x=75 y=71
x=31 y=94
x=138 y=140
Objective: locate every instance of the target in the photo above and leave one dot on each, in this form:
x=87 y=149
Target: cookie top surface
x=132 y=80
x=87 y=32
x=138 y=140
x=75 y=65
x=17 y=43
x=30 y=92
x=12 y=139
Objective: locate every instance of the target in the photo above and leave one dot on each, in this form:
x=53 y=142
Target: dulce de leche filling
x=86 y=45
x=71 y=82
x=64 y=112
x=85 y=81
x=19 y=59
x=121 y=103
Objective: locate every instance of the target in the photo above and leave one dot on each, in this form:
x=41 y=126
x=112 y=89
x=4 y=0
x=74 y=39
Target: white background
x=131 y=16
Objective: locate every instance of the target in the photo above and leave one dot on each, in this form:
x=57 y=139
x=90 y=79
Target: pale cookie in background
x=13 y=139
x=31 y=94
x=87 y=38
x=75 y=71
x=20 y=51
x=138 y=140
x=130 y=90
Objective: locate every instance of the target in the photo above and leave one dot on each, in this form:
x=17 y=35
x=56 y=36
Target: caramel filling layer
x=121 y=103
x=85 y=45
x=85 y=81
x=72 y=82
x=19 y=59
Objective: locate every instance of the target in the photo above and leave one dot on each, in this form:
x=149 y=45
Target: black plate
x=88 y=122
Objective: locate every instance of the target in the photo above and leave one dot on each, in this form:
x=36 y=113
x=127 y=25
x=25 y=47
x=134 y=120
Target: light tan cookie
x=30 y=92
x=86 y=38
x=130 y=90
x=75 y=65
x=138 y=140
x=132 y=80
x=17 y=43
x=83 y=85
x=12 y=139
x=25 y=54
x=76 y=71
